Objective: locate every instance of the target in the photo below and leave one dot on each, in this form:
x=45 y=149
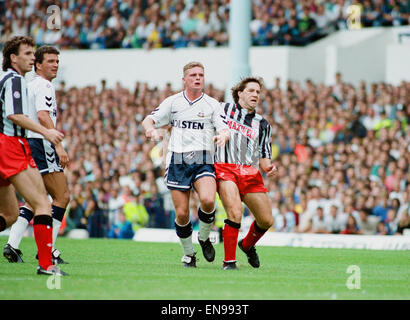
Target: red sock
x=254 y=234
x=230 y=238
x=43 y=234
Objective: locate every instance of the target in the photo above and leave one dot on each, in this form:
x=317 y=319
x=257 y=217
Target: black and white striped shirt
x=250 y=137
x=13 y=100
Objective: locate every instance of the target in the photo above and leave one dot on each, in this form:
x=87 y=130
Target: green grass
x=123 y=269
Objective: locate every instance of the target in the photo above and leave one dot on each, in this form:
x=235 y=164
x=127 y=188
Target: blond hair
x=191 y=65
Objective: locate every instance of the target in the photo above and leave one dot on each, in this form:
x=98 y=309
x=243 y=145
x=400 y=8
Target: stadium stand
x=342 y=153
x=177 y=23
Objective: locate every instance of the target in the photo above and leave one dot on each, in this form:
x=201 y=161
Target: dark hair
x=40 y=52
x=239 y=87
x=12 y=46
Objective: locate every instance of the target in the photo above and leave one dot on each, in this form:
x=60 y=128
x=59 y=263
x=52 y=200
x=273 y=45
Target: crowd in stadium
x=178 y=23
x=342 y=154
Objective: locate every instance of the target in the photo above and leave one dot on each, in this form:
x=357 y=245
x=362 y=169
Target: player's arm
x=265 y=149
x=221 y=125
x=16 y=107
x=45 y=121
x=149 y=128
x=267 y=166
x=159 y=117
x=25 y=122
x=222 y=137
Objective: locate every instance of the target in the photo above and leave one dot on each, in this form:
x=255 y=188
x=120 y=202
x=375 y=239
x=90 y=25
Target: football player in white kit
x=50 y=159
x=194 y=117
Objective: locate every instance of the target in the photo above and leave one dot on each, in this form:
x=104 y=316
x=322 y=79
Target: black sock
x=183 y=231
x=26 y=213
x=57 y=212
x=3 y=223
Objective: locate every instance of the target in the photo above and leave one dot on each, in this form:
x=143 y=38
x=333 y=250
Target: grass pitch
x=124 y=269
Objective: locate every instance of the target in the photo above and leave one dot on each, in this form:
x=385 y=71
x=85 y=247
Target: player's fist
x=153 y=134
x=271 y=170
x=222 y=137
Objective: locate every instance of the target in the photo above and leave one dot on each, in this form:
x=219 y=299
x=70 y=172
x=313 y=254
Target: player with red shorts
x=237 y=171
x=16 y=159
x=18 y=171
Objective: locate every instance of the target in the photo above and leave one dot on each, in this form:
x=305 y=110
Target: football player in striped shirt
x=18 y=170
x=50 y=159
x=194 y=117
x=237 y=165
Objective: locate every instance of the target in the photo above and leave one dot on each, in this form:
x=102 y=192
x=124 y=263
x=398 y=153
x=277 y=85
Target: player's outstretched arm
x=52 y=135
x=267 y=166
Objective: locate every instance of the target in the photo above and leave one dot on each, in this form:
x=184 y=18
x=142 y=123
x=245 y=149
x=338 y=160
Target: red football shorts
x=15 y=156
x=247 y=178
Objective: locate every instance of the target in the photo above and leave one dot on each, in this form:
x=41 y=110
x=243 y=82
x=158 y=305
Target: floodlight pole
x=239 y=43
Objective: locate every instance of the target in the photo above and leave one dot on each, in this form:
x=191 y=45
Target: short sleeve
x=265 y=140
x=161 y=114
x=15 y=95
x=219 y=117
x=43 y=97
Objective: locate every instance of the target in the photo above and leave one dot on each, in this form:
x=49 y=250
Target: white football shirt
x=42 y=96
x=193 y=122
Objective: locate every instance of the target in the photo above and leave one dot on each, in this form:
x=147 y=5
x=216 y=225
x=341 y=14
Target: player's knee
x=235 y=215
x=208 y=203
x=41 y=204
x=11 y=220
x=8 y=218
x=182 y=215
x=266 y=222
x=60 y=197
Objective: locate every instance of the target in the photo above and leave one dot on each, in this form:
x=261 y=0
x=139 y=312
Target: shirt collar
x=192 y=102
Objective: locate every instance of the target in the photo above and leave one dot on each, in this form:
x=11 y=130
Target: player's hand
x=221 y=138
x=62 y=155
x=54 y=136
x=153 y=134
x=271 y=170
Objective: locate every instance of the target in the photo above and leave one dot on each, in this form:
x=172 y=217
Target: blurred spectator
x=95 y=220
x=171 y=23
x=136 y=213
x=154 y=203
x=381 y=229
x=318 y=223
x=74 y=218
x=367 y=222
x=335 y=221
x=404 y=222
x=122 y=229
x=351 y=226
x=285 y=220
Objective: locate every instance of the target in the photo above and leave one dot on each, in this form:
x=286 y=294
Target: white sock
x=187 y=245
x=205 y=228
x=17 y=232
x=56 y=228
x=184 y=234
